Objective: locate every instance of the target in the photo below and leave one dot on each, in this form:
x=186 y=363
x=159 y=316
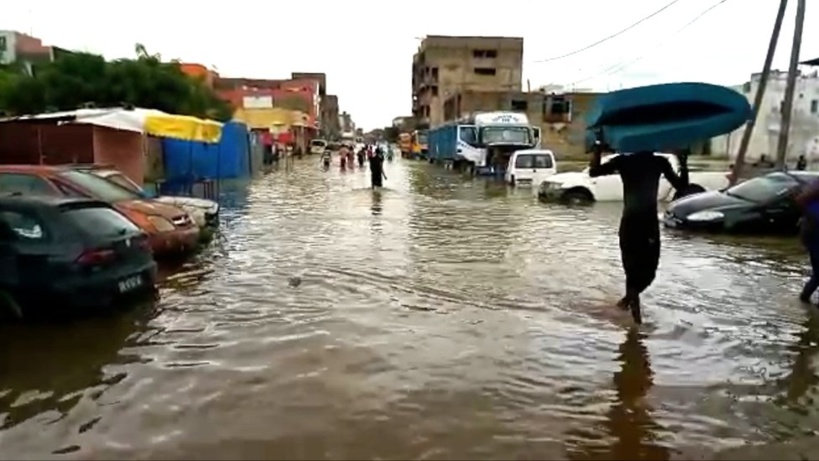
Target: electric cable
x=614 y=35
x=619 y=66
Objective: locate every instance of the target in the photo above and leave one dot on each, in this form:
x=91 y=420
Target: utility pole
x=760 y=92
x=790 y=88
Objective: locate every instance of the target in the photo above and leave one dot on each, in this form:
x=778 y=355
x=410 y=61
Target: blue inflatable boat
x=665 y=117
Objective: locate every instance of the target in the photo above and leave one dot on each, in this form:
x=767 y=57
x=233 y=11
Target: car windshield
x=100 y=188
x=762 y=189
x=502 y=134
x=318 y=143
x=123 y=181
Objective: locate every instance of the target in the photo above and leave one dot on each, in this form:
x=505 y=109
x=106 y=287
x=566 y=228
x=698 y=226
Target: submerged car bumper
x=178 y=241
x=550 y=192
x=107 y=291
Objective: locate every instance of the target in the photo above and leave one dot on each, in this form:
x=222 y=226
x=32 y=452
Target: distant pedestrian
x=377 y=175
x=802 y=163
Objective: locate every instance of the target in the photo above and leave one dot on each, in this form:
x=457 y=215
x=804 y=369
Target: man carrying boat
x=639 y=225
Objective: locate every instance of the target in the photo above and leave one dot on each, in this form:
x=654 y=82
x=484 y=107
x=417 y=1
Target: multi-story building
x=26 y=50
x=803 y=136
x=560 y=116
x=330 y=127
x=445 y=65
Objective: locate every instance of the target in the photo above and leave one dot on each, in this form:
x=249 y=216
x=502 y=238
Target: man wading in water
x=377 y=169
x=639 y=225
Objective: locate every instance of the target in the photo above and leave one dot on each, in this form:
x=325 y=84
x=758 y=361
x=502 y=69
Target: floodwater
x=440 y=318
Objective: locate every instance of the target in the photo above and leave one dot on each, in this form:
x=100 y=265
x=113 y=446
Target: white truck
x=579 y=187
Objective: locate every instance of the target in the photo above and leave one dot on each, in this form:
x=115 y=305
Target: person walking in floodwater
x=808 y=200
x=377 y=175
x=362 y=155
x=342 y=157
x=639 y=226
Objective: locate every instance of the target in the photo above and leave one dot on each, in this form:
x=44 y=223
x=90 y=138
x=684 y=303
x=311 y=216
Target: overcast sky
x=366 y=47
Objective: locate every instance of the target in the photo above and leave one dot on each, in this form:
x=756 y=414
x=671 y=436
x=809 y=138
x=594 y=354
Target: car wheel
x=577 y=196
x=690 y=190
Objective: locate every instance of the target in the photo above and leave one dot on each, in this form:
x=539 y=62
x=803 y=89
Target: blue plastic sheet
x=192 y=161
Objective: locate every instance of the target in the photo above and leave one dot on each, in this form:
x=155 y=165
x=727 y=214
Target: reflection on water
x=440 y=317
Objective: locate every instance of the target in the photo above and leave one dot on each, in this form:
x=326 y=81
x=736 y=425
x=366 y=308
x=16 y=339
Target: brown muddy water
x=441 y=318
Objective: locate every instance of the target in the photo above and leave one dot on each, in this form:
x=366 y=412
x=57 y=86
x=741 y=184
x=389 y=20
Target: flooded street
x=441 y=318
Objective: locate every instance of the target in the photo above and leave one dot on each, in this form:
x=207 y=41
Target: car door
x=30 y=244
x=781 y=215
x=524 y=169
x=9 y=276
x=544 y=166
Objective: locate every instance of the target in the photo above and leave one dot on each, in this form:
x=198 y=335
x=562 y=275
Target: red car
x=170 y=229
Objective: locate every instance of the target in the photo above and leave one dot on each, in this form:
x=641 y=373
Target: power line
x=619 y=66
x=614 y=35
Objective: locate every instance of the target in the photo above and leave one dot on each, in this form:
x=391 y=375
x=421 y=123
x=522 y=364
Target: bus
x=420 y=147
x=405 y=144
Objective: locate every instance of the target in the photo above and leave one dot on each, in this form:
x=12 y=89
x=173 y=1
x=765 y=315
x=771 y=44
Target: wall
x=445 y=65
x=804 y=132
x=300 y=95
x=320 y=77
x=45 y=143
x=122 y=149
x=561 y=117
x=329 y=123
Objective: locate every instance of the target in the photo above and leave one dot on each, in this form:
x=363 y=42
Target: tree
x=79 y=79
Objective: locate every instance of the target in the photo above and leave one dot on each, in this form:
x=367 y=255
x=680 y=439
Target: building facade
x=26 y=50
x=445 y=65
x=560 y=116
x=803 y=137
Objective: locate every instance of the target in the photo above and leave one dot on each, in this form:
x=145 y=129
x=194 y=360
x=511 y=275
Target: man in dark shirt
x=639 y=227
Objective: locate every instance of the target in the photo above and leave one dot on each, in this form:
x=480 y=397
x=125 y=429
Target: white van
x=530 y=167
x=318 y=146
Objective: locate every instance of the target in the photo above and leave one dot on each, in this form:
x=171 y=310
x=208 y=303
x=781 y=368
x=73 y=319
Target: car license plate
x=130 y=284
x=524 y=181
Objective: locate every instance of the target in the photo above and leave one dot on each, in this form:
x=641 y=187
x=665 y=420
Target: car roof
x=36 y=201
x=803 y=174
x=534 y=151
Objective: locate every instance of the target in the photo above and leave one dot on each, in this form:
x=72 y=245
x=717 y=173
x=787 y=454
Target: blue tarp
x=191 y=161
x=666 y=117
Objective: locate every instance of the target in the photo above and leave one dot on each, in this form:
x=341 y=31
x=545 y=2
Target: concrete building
x=804 y=131
x=26 y=50
x=330 y=127
x=445 y=65
x=346 y=123
x=560 y=116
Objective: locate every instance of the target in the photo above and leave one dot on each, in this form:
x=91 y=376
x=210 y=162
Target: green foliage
x=80 y=79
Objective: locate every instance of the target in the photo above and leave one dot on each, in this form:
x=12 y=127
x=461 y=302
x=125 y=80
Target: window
x=557 y=105
x=543 y=161
x=814 y=106
x=434 y=74
x=101 y=221
x=763 y=189
x=3 y=43
x=101 y=189
x=28 y=184
x=520 y=106
x=485 y=71
x=123 y=181
x=468 y=134
x=525 y=161
x=481 y=54
x=24 y=226
x=435 y=91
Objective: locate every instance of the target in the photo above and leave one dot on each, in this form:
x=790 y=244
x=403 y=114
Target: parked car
x=763 y=205
x=579 y=187
x=318 y=146
x=203 y=211
x=64 y=255
x=170 y=229
x=530 y=167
